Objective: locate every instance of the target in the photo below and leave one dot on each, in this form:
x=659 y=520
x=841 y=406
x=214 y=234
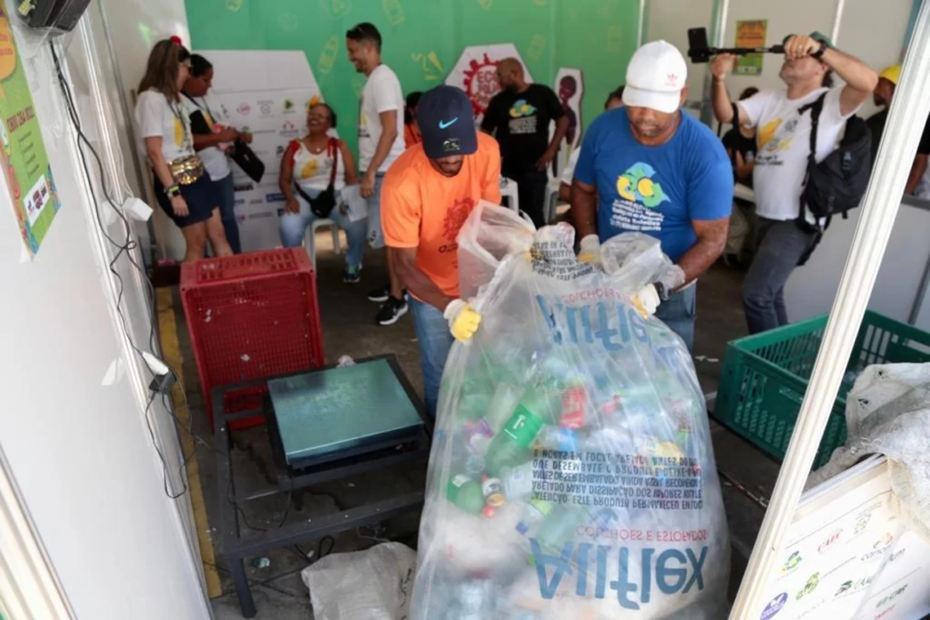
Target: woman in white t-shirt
x=306 y=173
x=182 y=187
x=213 y=147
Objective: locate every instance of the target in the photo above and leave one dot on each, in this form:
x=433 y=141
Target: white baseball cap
x=655 y=76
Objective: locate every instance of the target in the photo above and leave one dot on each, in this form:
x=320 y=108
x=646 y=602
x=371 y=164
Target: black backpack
x=837 y=184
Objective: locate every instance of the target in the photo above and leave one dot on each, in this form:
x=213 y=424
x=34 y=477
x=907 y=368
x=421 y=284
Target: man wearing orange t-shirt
x=428 y=194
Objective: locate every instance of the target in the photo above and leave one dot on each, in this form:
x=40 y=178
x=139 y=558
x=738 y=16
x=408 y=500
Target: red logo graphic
x=455 y=218
x=244 y=109
x=672 y=79
x=481 y=83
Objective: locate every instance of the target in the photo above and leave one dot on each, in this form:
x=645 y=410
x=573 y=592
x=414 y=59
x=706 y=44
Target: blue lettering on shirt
x=656 y=190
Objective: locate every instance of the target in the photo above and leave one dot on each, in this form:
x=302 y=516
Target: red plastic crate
x=251 y=316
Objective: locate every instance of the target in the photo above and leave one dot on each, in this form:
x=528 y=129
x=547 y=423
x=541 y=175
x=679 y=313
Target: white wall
x=72 y=424
x=811 y=289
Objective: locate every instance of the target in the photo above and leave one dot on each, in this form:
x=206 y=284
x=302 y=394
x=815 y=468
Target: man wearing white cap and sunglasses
x=648 y=167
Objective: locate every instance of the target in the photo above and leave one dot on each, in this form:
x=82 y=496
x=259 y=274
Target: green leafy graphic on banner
x=394 y=12
x=431 y=65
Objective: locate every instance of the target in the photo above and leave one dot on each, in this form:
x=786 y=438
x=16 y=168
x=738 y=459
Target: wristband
x=173 y=191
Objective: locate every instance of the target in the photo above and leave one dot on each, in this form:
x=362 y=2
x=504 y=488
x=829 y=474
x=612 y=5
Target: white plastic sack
x=571 y=473
x=364 y=585
x=888 y=412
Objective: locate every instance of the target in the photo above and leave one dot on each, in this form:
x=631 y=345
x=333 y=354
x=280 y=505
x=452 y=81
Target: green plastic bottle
x=512 y=445
x=466 y=494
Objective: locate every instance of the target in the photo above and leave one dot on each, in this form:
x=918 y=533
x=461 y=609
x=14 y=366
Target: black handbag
x=246 y=159
x=240 y=152
x=325 y=201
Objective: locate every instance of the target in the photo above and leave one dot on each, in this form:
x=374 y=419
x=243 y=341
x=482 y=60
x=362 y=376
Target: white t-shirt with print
x=783 y=140
x=312 y=170
x=157 y=118
x=382 y=93
x=214 y=158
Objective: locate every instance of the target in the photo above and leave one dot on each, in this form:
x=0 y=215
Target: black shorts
x=201 y=198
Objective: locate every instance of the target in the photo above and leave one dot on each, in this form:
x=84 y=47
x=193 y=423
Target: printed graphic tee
x=157 y=118
x=783 y=139
x=656 y=190
x=214 y=158
x=381 y=94
x=423 y=209
x=312 y=171
x=520 y=122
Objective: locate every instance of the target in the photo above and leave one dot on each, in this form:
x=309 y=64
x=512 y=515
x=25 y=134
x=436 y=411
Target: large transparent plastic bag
x=572 y=473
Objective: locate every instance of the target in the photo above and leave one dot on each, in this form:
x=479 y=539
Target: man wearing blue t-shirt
x=657 y=171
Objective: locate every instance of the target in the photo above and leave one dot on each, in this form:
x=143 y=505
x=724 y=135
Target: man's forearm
x=700 y=257
x=561 y=127
x=853 y=71
x=723 y=107
x=584 y=211
x=418 y=282
x=918 y=168
x=385 y=142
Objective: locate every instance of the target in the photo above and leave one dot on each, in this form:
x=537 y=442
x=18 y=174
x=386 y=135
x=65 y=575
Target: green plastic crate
x=765 y=376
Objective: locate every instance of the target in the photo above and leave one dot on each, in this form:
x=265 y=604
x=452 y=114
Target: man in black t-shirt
x=884 y=92
x=519 y=118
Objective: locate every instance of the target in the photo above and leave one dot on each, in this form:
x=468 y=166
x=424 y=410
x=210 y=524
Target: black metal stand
x=234 y=545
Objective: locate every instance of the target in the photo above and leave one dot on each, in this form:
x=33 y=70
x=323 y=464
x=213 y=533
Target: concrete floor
x=349 y=329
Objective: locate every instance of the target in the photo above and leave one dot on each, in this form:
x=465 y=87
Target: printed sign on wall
x=475 y=72
x=750 y=33
x=23 y=156
x=266 y=93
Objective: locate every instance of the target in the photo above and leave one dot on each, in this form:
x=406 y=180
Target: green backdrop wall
x=424 y=38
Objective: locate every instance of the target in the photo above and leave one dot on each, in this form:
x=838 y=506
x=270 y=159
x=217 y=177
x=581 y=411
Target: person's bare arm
x=561 y=126
x=286 y=183
x=385 y=142
x=163 y=172
x=565 y=192
x=584 y=208
x=711 y=241
x=860 y=78
x=206 y=140
x=405 y=261
x=349 y=162
x=743 y=169
x=720 y=67
x=918 y=168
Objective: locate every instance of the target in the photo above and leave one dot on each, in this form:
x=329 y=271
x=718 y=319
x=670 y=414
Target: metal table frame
x=234 y=546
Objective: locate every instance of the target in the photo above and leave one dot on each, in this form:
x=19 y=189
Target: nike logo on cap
x=447 y=124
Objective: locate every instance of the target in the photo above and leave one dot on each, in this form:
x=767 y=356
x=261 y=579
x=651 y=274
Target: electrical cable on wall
x=126 y=247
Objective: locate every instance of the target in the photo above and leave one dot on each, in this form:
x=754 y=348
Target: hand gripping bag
x=571 y=473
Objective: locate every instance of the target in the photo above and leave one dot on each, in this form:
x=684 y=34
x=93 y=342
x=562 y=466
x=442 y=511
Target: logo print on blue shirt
x=636 y=185
x=522 y=108
x=447 y=124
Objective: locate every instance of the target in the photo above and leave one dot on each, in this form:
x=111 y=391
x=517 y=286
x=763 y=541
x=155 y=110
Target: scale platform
x=336 y=412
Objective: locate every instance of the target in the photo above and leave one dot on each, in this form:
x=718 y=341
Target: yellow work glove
x=463 y=320
x=590 y=251
x=647 y=301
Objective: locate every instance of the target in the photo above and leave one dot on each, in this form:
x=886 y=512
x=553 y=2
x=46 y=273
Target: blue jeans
x=435 y=340
x=293 y=226
x=375 y=232
x=226 y=193
x=678 y=313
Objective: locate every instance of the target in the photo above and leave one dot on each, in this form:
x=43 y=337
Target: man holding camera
x=785 y=236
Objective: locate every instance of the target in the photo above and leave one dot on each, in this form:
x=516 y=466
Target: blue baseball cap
x=447 y=123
